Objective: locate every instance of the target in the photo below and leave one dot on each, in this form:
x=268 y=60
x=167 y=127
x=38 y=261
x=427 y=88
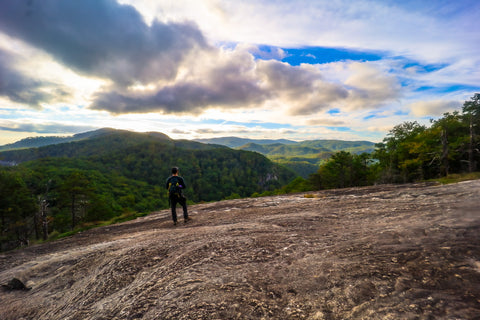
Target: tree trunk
x=36 y=224
x=44 y=220
x=471 y=165
x=445 y=152
x=73 y=211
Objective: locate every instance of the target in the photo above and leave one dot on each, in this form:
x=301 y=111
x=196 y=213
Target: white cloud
x=186 y=60
x=371 y=86
x=426 y=30
x=434 y=107
x=326 y=122
x=44 y=127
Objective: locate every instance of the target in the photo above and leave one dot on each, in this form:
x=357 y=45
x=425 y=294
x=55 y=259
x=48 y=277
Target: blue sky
x=295 y=69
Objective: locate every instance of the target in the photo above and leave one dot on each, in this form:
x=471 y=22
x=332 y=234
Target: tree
x=77 y=188
x=471 y=113
x=362 y=174
x=17 y=208
x=342 y=170
x=43 y=211
x=400 y=151
x=451 y=133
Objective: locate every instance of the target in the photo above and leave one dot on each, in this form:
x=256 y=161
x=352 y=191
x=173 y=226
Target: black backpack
x=173 y=188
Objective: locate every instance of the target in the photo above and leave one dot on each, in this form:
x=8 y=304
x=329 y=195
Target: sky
x=290 y=69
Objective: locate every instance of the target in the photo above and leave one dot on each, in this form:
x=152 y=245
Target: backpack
x=173 y=188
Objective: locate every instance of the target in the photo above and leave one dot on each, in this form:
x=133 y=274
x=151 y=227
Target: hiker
x=175 y=185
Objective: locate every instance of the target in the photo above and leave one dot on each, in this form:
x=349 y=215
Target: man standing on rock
x=175 y=185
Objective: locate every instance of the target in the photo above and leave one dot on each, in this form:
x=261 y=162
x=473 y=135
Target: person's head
x=174 y=170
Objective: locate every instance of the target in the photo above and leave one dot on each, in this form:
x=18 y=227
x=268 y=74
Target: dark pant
x=173 y=203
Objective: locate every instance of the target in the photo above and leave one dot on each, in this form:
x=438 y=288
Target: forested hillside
x=302 y=157
x=305 y=157
x=119 y=172
x=235 y=142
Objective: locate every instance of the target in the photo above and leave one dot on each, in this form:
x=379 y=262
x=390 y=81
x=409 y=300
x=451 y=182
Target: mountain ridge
x=302 y=157
x=231 y=141
x=234 y=142
x=42 y=141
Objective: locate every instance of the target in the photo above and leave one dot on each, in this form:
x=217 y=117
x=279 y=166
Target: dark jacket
x=174 y=180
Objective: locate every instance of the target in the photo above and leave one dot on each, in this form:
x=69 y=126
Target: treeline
x=110 y=177
x=410 y=152
x=415 y=152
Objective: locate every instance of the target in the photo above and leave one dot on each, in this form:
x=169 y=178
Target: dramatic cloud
x=302 y=87
x=230 y=82
x=237 y=80
x=180 y=98
x=308 y=90
x=24 y=89
x=101 y=38
x=340 y=67
x=171 y=63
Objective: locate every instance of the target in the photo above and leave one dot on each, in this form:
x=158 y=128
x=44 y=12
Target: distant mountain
x=85 y=145
x=235 y=142
x=215 y=171
x=36 y=142
x=341 y=145
x=304 y=157
x=33 y=143
x=284 y=150
x=289 y=147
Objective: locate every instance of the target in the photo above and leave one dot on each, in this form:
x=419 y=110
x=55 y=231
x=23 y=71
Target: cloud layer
x=25 y=89
x=101 y=37
x=167 y=67
x=393 y=60
x=51 y=127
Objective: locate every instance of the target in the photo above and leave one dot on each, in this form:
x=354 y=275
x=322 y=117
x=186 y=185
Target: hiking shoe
x=186 y=220
x=174 y=223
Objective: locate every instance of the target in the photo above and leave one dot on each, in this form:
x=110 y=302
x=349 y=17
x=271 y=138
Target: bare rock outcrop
x=380 y=252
